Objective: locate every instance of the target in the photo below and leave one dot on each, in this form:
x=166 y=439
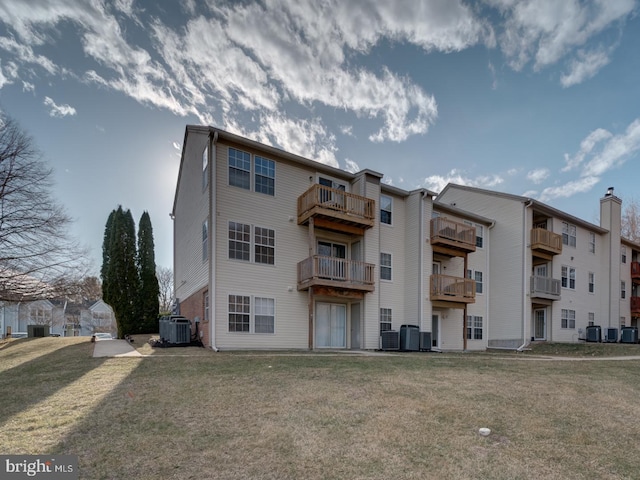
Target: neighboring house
x=276 y=251
x=63 y=317
x=552 y=274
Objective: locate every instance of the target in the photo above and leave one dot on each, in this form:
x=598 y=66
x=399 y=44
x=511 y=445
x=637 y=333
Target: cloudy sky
x=533 y=97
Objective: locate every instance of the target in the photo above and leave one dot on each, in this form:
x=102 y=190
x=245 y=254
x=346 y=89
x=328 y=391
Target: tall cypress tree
x=120 y=274
x=106 y=253
x=149 y=288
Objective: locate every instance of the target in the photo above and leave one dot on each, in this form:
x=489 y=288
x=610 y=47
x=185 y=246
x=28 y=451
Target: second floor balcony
x=545 y=244
x=336 y=209
x=452 y=238
x=635 y=306
x=545 y=287
x=448 y=288
x=340 y=273
x=635 y=272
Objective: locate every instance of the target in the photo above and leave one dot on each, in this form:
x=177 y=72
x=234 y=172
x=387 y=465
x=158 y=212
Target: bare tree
x=165 y=282
x=631 y=221
x=36 y=251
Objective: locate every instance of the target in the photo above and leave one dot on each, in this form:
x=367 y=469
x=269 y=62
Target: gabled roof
x=537 y=205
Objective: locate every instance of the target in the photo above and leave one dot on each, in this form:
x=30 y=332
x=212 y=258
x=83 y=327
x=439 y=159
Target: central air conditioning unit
x=390 y=340
x=594 y=333
x=425 y=341
x=410 y=338
x=629 y=335
x=611 y=335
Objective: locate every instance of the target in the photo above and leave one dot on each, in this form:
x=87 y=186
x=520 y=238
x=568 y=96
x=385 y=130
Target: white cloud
x=3 y=79
x=616 y=151
x=438 y=182
x=581 y=185
x=347 y=130
x=351 y=166
x=586 y=147
x=58 y=111
x=584 y=67
x=545 y=31
x=28 y=87
x=538 y=175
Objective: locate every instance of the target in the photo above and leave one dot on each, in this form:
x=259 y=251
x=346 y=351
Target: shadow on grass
x=32 y=376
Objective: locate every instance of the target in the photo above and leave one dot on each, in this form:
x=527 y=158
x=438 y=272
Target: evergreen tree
x=149 y=288
x=121 y=282
x=106 y=249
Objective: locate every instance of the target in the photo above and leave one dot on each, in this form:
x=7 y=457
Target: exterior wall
x=193 y=307
x=372 y=239
x=191 y=210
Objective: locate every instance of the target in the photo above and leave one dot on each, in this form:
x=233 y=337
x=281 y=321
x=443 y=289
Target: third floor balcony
x=336 y=209
x=545 y=244
x=635 y=306
x=452 y=238
x=635 y=272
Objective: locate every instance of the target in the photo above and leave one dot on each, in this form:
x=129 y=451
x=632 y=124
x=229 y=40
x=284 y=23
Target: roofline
x=554 y=212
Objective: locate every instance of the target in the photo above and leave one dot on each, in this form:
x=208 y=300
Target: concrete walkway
x=114 y=348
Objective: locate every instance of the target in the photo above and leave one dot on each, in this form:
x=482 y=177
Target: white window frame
x=252 y=242
x=205 y=240
x=386 y=319
x=592 y=242
x=568 y=273
x=623 y=254
x=623 y=289
x=385 y=267
x=389 y=210
x=238 y=168
x=256 y=175
x=569 y=233
x=205 y=167
x=592 y=319
x=592 y=282
x=474 y=327
x=251 y=310
x=568 y=319
x=478 y=277
x=238 y=240
x=257 y=245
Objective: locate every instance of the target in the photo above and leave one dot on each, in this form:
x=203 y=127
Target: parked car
x=103 y=336
x=19 y=335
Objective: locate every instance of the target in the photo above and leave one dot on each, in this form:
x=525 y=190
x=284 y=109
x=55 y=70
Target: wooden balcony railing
x=335 y=272
x=635 y=306
x=545 y=244
x=545 y=287
x=336 y=206
x=452 y=289
x=635 y=272
x=452 y=238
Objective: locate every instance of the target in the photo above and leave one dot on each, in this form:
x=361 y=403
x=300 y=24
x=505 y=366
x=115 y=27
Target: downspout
x=421 y=260
x=488 y=270
x=525 y=342
x=212 y=236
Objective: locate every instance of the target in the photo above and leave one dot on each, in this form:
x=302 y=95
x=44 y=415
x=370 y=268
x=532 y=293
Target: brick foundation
x=193 y=307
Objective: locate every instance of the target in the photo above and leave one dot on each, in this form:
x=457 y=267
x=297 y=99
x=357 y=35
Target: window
x=568 y=234
x=239 y=168
x=479 y=236
x=474 y=327
x=239 y=313
x=623 y=290
x=592 y=319
x=205 y=240
x=568 y=319
x=265 y=177
x=592 y=282
x=385 y=209
x=205 y=306
x=385 y=266
x=241 y=319
x=239 y=241
x=623 y=322
x=568 y=277
x=205 y=167
x=477 y=276
x=623 y=254
x=385 y=319
x=592 y=242
x=265 y=315
x=264 y=245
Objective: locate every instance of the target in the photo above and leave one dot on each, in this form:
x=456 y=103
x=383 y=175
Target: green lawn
x=305 y=416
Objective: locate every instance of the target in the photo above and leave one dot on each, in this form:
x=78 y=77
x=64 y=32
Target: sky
x=539 y=98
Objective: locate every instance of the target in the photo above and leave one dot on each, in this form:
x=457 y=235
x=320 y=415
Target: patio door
x=331 y=325
x=540 y=324
x=330 y=268
x=435 y=330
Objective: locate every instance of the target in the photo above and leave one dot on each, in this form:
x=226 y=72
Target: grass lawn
x=259 y=415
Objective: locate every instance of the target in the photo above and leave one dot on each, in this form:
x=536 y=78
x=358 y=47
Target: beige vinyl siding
x=278 y=281
x=371 y=304
x=190 y=272
x=392 y=241
x=414 y=241
x=479 y=261
x=506 y=262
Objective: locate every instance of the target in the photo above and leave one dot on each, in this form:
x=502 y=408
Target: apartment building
x=276 y=251
x=552 y=274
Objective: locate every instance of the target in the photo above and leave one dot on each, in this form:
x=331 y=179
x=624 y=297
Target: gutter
x=212 y=236
x=525 y=343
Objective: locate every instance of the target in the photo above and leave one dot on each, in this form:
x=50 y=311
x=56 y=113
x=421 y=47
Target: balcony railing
x=335 y=272
x=336 y=206
x=452 y=289
x=635 y=306
x=545 y=287
x=635 y=272
x=452 y=238
x=545 y=244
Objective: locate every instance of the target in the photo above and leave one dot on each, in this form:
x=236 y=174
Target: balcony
x=452 y=238
x=337 y=273
x=545 y=244
x=635 y=272
x=635 y=306
x=545 y=287
x=446 y=288
x=336 y=210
